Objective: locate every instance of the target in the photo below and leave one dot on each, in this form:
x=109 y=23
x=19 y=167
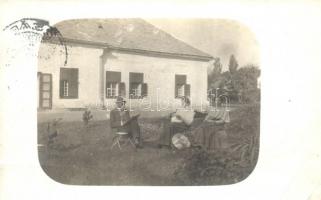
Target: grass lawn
x=81 y=155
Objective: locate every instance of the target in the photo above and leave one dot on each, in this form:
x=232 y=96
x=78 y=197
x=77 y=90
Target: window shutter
x=187 y=91
x=73 y=83
x=144 y=90
x=176 y=90
x=71 y=76
x=113 y=77
x=136 y=77
x=61 y=88
x=135 y=81
x=122 y=89
x=130 y=90
x=180 y=79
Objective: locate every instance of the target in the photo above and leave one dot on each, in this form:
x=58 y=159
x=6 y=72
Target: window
x=68 y=83
x=137 y=87
x=44 y=90
x=181 y=88
x=112 y=89
x=114 y=86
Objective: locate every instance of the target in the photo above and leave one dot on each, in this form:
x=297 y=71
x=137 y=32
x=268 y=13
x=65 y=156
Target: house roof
x=127 y=34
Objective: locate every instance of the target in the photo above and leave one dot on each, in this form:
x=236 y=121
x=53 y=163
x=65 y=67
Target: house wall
x=159 y=74
x=52 y=57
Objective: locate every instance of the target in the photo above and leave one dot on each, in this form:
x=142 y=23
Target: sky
x=217 y=37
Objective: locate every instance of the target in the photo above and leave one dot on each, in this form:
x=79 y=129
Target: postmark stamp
x=29 y=33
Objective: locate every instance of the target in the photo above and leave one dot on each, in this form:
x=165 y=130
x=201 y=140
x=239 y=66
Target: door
x=38 y=89
x=45 y=91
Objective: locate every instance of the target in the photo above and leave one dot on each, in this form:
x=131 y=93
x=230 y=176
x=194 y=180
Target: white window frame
x=112 y=90
x=137 y=91
x=65 y=88
x=181 y=90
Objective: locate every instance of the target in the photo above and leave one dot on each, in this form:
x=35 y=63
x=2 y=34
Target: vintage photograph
x=151 y=102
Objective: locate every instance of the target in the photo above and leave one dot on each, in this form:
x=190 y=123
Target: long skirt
x=211 y=137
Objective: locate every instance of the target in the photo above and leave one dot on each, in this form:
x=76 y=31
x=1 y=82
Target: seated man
x=120 y=121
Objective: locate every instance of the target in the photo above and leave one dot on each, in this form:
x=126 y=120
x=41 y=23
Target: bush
x=251 y=96
x=230 y=165
x=202 y=168
x=87 y=116
x=240 y=84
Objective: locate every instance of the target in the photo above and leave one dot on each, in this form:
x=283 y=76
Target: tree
x=246 y=77
x=232 y=66
x=239 y=84
x=245 y=83
x=214 y=78
x=217 y=66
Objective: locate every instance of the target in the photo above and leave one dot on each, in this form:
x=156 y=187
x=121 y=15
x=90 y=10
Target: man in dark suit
x=121 y=121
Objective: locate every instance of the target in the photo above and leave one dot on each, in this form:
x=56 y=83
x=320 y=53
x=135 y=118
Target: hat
x=120 y=99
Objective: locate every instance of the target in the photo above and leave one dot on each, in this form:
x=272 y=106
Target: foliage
x=87 y=116
x=203 y=168
x=245 y=82
x=239 y=84
x=78 y=155
x=246 y=77
x=217 y=66
x=215 y=78
x=52 y=130
x=225 y=166
x=232 y=66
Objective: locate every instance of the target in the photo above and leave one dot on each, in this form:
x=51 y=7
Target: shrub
x=229 y=165
x=202 y=168
x=87 y=116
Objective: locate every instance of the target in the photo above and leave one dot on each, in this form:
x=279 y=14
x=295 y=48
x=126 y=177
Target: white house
x=119 y=57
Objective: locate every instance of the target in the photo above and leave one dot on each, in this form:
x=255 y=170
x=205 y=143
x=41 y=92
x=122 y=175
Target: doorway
x=44 y=90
